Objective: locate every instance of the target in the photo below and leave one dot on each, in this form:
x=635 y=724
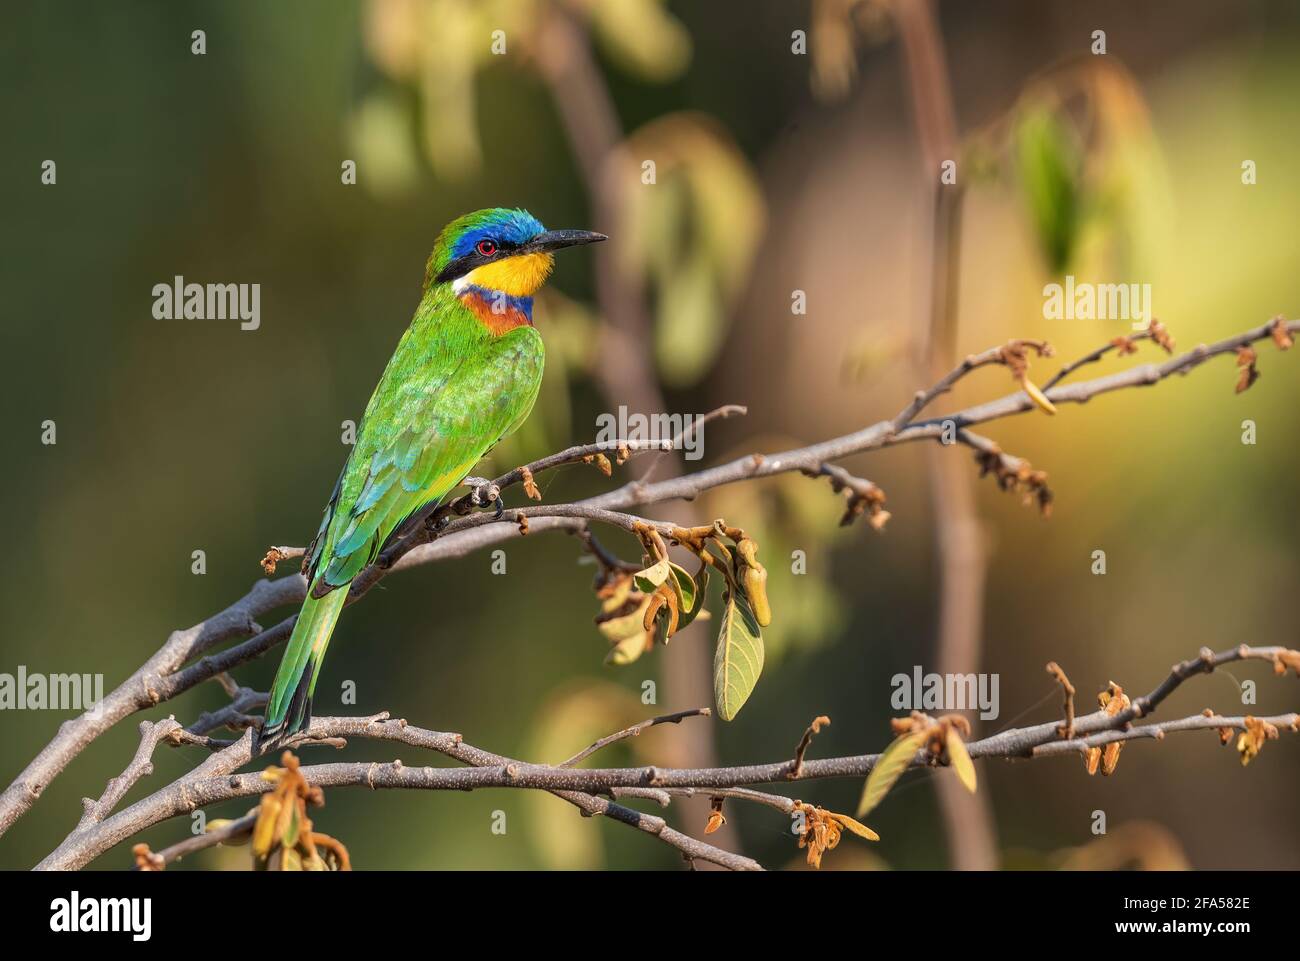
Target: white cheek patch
x=462 y=283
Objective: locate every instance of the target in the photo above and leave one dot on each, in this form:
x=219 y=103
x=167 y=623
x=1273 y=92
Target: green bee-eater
x=464 y=375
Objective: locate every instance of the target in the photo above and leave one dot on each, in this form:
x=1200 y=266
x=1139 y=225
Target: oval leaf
x=861 y=830
x=738 y=660
x=684 y=585
x=959 y=760
x=896 y=759
x=654 y=575
x=627 y=651
x=692 y=593
x=620 y=626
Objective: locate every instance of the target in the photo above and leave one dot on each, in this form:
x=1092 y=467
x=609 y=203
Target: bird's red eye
x=487 y=248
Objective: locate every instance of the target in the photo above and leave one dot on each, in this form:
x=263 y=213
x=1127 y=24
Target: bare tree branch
x=141 y=766
x=214 y=779
x=185 y=660
x=152 y=684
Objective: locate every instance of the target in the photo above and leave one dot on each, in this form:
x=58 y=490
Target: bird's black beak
x=558 y=239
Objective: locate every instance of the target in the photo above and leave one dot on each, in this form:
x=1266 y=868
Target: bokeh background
x=776 y=171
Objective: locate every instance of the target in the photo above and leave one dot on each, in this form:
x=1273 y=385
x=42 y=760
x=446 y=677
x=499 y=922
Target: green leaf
x=654 y=575
x=889 y=768
x=738 y=660
x=264 y=830
x=959 y=760
x=1049 y=163
x=690 y=592
x=684 y=585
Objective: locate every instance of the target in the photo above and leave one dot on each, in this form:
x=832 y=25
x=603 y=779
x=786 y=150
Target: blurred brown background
x=776 y=172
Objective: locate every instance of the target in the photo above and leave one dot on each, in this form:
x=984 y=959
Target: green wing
x=425 y=428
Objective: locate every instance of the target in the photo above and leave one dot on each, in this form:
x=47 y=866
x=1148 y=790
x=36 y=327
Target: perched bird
x=464 y=375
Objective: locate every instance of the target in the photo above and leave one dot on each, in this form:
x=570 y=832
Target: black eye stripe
x=467 y=262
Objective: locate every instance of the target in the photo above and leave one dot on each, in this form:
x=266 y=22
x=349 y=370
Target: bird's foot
x=484 y=493
x=436 y=522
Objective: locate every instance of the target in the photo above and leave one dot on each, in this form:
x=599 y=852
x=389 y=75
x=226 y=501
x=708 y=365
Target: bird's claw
x=483 y=493
x=436 y=523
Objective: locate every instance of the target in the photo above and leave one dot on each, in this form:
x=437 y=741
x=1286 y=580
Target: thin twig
x=663 y=796
x=634 y=731
x=1066 y=729
x=1119 y=343
x=1198 y=722
x=815 y=727
x=208 y=839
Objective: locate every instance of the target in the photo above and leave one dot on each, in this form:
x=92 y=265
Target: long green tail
x=289 y=709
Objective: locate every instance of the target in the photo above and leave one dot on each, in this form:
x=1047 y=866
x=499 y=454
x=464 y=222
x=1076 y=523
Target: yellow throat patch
x=518 y=276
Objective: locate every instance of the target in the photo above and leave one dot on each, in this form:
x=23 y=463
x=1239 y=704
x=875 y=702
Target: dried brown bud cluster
x=1251 y=741
x=1015 y=355
x=1112 y=701
x=1246 y=358
x=1018 y=475
x=1280 y=333
x=821 y=830
x=1160 y=334
x=861 y=496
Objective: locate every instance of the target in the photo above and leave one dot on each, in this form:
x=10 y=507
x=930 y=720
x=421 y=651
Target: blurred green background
x=777 y=172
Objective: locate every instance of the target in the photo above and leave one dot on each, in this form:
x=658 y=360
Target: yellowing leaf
x=1037 y=396
x=615 y=595
x=959 y=760
x=754 y=579
x=623 y=625
x=738 y=660
x=896 y=759
x=861 y=830
x=264 y=830
x=628 y=650
x=290 y=824
x=654 y=575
